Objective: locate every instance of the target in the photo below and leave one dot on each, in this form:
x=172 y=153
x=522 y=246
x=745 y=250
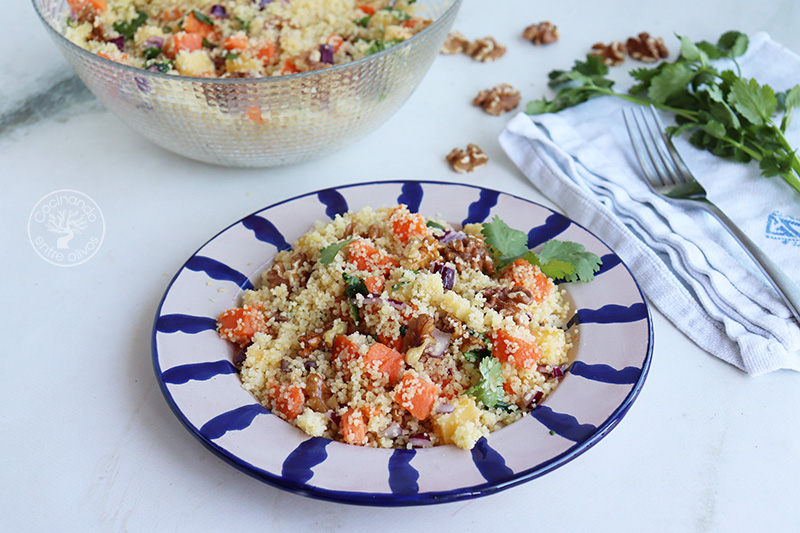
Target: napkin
x=685 y=262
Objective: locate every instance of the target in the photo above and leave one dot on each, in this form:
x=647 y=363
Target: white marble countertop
x=89 y=442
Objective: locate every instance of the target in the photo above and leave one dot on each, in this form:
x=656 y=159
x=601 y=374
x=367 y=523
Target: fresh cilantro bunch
x=726 y=114
x=558 y=259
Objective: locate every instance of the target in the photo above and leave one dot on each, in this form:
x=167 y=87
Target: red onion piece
x=218 y=11
x=451 y=235
x=445 y=408
x=392 y=431
x=447 y=273
x=531 y=398
x=154 y=42
x=558 y=372
x=420 y=440
x=326 y=53
x=442 y=344
x=119 y=42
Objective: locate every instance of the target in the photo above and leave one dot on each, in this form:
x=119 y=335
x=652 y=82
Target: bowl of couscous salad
x=401 y=343
x=253 y=83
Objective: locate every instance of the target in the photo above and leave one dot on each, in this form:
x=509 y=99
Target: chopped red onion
x=531 y=398
x=452 y=235
x=262 y=3
x=421 y=440
x=442 y=344
x=542 y=369
x=326 y=53
x=154 y=42
x=392 y=431
x=397 y=304
x=119 y=42
x=447 y=273
x=558 y=372
x=218 y=11
x=445 y=408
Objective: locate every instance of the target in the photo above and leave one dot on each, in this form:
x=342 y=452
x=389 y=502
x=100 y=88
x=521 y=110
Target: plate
x=195 y=371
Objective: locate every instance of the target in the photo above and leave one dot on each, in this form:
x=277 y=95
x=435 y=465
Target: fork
x=668 y=176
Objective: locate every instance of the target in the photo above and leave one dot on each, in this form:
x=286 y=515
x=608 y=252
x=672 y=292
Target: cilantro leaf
x=205 y=19
x=507 y=244
x=489 y=389
x=568 y=260
x=327 y=254
x=128 y=28
x=755 y=102
x=355 y=285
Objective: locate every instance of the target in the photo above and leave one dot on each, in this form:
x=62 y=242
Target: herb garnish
x=489 y=389
x=728 y=115
x=565 y=260
x=128 y=29
x=378 y=45
x=205 y=19
x=327 y=254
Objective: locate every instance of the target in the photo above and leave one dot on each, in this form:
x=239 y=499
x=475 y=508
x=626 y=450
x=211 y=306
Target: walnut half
x=646 y=48
x=485 y=49
x=456 y=43
x=498 y=100
x=611 y=54
x=467 y=160
x=542 y=33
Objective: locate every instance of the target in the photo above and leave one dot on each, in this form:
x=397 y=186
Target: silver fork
x=668 y=176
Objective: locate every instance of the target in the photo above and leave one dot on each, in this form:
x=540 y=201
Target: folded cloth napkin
x=684 y=260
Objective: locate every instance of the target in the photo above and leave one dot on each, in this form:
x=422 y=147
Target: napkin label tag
x=783 y=228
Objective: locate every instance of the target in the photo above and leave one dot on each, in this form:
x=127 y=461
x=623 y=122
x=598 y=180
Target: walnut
x=318 y=395
x=456 y=43
x=542 y=33
x=374 y=232
x=646 y=48
x=611 y=54
x=467 y=160
x=485 y=49
x=418 y=329
x=469 y=252
x=421 y=252
x=498 y=100
x=507 y=301
x=295 y=276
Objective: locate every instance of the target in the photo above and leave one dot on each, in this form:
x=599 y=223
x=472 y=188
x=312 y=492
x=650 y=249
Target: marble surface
x=88 y=440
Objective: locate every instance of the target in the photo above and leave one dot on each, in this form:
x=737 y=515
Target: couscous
x=239 y=38
x=384 y=328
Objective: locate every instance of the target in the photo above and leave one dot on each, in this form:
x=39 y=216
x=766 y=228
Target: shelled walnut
x=485 y=49
x=467 y=160
x=498 y=100
x=456 y=43
x=611 y=54
x=646 y=48
x=542 y=33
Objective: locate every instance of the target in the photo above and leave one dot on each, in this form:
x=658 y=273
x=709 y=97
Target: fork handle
x=785 y=287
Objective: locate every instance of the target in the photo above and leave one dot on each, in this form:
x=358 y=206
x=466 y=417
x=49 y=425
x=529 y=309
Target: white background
x=88 y=442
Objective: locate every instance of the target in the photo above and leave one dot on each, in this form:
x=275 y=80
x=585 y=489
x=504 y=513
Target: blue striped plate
x=194 y=369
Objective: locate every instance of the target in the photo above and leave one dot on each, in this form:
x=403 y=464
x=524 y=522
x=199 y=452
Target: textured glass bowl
x=301 y=115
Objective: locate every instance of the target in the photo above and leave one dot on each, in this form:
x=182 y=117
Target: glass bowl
x=258 y=122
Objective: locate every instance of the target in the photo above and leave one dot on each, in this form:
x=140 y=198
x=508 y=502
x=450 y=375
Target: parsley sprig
x=726 y=114
x=565 y=260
